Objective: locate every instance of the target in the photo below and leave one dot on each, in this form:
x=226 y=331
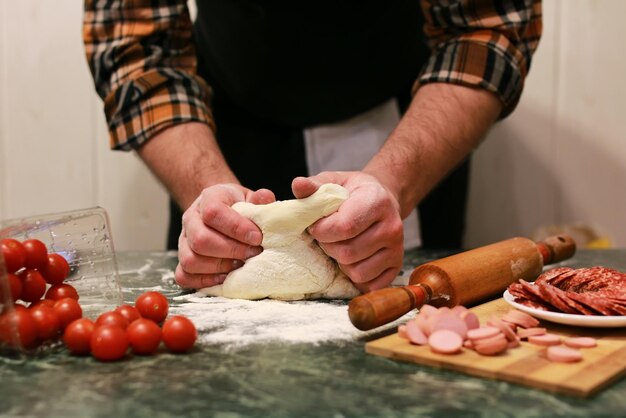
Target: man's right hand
x=215 y=239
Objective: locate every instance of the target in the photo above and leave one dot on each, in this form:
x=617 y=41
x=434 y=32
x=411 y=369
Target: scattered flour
x=236 y=322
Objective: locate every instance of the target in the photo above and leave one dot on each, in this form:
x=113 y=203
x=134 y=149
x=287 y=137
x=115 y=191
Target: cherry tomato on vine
x=36 y=253
x=68 y=310
x=152 y=305
x=144 y=336
x=108 y=343
x=33 y=285
x=179 y=334
x=77 y=336
x=14 y=254
x=112 y=318
x=60 y=291
x=47 y=320
x=129 y=312
x=56 y=269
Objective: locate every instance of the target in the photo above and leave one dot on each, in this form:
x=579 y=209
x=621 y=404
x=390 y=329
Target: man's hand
x=365 y=235
x=215 y=238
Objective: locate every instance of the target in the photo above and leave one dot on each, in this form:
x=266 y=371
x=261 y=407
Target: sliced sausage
x=492 y=345
x=520 y=318
x=458 y=310
x=513 y=344
x=451 y=322
x=423 y=323
x=580 y=342
x=506 y=329
x=563 y=354
x=482 y=332
x=471 y=319
x=444 y=341
x=402 y=331
x=528 y=332
x=415 y=333
x=427 y=310
x=545 y=339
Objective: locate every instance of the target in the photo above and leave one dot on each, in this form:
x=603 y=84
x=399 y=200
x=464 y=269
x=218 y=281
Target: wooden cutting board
x=525 y=365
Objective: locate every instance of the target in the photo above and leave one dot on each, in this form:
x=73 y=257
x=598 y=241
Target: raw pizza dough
x=292 y=266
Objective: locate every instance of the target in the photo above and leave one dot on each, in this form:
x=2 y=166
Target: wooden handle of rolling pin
x=461 y=279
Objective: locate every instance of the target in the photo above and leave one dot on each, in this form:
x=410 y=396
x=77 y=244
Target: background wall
x=560 y=159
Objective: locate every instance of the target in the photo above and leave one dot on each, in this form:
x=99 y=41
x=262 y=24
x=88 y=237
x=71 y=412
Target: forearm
x=442 y=126
x=186 y=159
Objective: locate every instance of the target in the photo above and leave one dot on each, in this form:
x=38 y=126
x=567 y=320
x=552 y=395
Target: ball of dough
x=292 y=266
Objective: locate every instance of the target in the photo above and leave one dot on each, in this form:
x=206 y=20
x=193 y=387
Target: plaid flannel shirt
x=142 y=58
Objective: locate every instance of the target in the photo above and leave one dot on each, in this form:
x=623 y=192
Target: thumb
x=261 y=197
x=304 y=186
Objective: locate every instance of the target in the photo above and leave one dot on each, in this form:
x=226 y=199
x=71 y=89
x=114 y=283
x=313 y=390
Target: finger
x=192 y=263
x=349 y=221
x=372 y=267
x=208 y=242
x=306 y=186
x=261 y=197
x=379 y=235
x=195 y=264
x=380 y=282
x=221 y=217
x=197 y=281
x=361 y=210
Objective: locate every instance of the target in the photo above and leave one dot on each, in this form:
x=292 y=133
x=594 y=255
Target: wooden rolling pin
x=461 y=279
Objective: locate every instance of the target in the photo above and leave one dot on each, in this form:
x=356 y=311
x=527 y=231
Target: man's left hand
x=365 y=235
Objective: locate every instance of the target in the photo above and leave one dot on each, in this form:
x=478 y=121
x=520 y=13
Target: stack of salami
x=587 y=291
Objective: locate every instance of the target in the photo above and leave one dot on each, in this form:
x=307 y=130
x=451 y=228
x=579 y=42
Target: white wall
x=54 y=152
x=561 y=158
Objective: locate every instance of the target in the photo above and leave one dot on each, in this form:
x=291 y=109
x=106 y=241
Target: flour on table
x=236 y=323
x=292 y=266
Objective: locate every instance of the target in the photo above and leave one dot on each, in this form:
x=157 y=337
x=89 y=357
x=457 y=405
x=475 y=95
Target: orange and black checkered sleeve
x=142 y=58
x=482 y=43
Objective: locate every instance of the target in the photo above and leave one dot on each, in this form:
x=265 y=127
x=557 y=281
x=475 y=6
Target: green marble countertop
x=266 y=378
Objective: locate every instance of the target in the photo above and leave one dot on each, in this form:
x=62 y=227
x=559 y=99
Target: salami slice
x=550 y=294
x=551 y=274
x=588 y=291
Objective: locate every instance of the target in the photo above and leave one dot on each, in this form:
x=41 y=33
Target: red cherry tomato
x=17 y=307
x=77 y=336
x=108 y=343
x=47 y=320
x=5 y=332
x=129 y=312
x=144 y=336
x=56 y=269
x=33 y=285
x=68 y=310
x=18 y=328
x=61 y=291
x=152 y=305
x=47 y=302
x=112 y=318
x=179 y=334
x=36 y=253
x=14 y=254
x=15 y=289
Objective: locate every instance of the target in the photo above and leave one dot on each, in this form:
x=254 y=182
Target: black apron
x=277 y=67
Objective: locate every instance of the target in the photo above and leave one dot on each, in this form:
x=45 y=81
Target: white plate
x=569 y=319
